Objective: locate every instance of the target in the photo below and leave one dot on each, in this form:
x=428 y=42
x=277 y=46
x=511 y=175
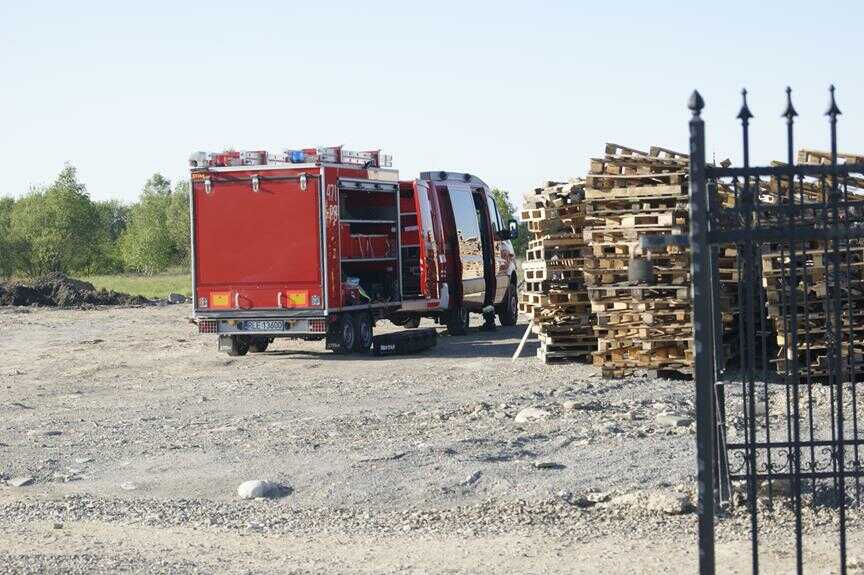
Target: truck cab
x=463 y=261
x=322 y=243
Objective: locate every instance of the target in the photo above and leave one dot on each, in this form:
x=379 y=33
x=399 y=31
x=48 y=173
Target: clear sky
x=515 y=92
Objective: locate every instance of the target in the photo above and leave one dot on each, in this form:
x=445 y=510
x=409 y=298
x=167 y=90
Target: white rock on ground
x=258 y=488
x=670 y=503
x=671 y=420
x=530 y=414
x=20 y=481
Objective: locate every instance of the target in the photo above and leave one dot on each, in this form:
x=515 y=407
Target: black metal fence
x=781 y=424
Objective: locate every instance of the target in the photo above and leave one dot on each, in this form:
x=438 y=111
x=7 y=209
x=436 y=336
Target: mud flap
x=224 y=343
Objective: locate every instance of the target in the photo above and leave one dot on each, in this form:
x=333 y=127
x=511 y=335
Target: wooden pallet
x=552 y=272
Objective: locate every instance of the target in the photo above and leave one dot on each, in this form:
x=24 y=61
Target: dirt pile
x=58 y=290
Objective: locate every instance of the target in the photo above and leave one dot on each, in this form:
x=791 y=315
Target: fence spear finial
x=695 y=102
x=790 y=112
x=744 y=115
x=833 y=110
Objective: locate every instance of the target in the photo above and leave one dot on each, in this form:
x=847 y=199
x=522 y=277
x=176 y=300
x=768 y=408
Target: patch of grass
x=155 y=286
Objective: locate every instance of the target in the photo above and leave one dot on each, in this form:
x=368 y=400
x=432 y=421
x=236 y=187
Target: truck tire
x=346 y=334
x=508 y=313
x=362 y=332
x=258 y=344
x=457 y=321
x=239 y=345
x=412 y=323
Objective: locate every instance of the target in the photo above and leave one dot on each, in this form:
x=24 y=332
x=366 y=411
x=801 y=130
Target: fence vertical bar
x=790 y=114
x=703 y=334
x=837 y=377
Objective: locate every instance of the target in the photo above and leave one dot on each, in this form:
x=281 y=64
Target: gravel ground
x=134 y=434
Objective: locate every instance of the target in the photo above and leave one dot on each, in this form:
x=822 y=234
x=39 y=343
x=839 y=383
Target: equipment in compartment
x=359 y=245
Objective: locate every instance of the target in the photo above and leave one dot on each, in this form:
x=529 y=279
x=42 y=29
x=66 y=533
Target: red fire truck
x=321 y=243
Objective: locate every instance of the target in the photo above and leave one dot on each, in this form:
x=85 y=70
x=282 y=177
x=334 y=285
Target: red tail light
x=208 y=326
x=317 y=325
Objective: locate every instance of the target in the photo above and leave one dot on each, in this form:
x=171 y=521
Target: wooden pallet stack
x=812 y=264
x=553 y=294
x=642 y=310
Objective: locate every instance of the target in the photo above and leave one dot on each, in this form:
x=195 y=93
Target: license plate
x=264 y=325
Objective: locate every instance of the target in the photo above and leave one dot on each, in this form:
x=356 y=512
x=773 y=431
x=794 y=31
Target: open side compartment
x=409 y=230
x=369 y=245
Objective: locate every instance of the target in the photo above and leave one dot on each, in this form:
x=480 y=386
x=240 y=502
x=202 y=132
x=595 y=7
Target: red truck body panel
x=280 y=244
x=252 y=245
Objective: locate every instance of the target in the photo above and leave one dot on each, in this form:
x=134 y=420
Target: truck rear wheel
x=508 y=313
x=362 y=332
x=239 y=345
x=457 y=321
x=346 y=334
x=259 y=344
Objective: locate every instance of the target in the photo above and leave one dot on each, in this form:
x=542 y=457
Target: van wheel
x=362 y=332
x=239 y=345
x=346 y=334
x=508 y=314
x=259 y=344
x=457 y=322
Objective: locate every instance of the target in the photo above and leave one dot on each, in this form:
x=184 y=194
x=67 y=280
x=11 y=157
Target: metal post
x=703 y=334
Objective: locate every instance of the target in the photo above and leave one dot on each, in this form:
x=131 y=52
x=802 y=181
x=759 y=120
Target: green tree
x=55 y=228
x=508 y=212
x=146 y=245
x=7 y=248
x=157 y=185
x=177 y=222
x=105 y=256
x=113 y=217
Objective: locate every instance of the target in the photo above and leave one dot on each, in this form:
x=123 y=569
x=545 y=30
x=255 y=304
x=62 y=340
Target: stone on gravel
x=635 y=499
x=547 y=465
x=258 y=488
x=530 y=414
x=45 y=432
x=672 y=420
x=565 y=441
x=609 y=427
x=667 y=502
x=176 y=298
x=473 y=478
x=597 y=496
x=20 y=481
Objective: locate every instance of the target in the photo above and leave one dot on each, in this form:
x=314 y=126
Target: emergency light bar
x=327 y=155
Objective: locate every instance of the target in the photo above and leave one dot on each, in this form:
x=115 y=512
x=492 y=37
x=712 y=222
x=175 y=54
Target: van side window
x=493 y=213
x=465 y=215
